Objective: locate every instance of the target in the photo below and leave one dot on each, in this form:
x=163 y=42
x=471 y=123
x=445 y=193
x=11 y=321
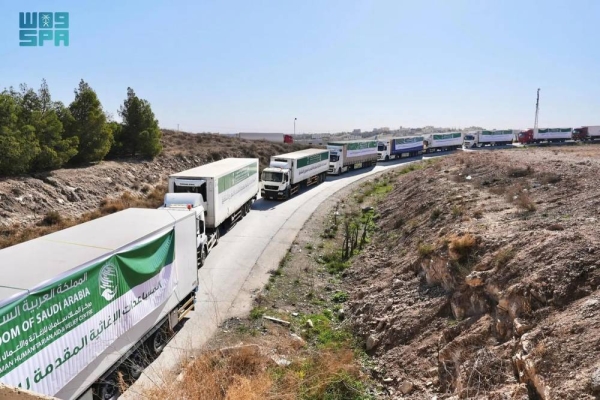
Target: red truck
x=586 y=133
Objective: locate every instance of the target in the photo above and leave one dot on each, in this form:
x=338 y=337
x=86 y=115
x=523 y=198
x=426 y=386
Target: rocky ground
x=71 y=192
x=482 y=279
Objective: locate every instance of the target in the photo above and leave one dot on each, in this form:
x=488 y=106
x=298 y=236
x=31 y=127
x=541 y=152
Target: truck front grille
x=267 y=187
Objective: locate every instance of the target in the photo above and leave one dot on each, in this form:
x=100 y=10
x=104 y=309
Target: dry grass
x=461 y=247
x=519 y=196
x=329 y=374
x=53 y=221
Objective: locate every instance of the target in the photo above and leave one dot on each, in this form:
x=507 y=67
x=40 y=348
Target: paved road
x=239 y=266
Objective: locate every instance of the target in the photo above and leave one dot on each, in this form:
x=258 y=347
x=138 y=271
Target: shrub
x=435 y=214
x=425 y=249
x=340 y=297
x=52 y=218
x=461 y=247
x=503 y=256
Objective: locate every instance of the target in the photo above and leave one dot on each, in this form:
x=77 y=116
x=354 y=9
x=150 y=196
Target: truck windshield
x=381 y=147
x=272 y=176
x=469 y=137
x=334 y=158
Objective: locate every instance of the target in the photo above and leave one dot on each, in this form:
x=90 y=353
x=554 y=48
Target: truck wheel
x=201 y=256
x=387 y=158
x=339 y=171
x=247 y=207
x=217 y=235
x=159 y=340
x=108 y=389
x=136 y=364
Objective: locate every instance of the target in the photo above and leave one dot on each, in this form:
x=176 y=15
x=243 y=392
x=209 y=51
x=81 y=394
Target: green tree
x=55 y=149
x=140 y=132
x=18 y=144
x=89 y=125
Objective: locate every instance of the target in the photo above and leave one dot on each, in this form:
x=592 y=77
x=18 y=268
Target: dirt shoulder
x=482 y=278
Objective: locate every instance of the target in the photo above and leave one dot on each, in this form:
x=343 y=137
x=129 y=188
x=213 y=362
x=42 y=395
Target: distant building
x=356 y=132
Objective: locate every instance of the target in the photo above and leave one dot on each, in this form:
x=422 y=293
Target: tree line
x=38 y=134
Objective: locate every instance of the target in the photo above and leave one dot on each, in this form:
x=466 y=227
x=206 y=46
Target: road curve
x=239 y=266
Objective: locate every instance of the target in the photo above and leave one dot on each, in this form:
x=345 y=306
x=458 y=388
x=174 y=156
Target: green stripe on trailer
x=313 y=159
x=230 y=180
x=357 y=145
x=446 y=136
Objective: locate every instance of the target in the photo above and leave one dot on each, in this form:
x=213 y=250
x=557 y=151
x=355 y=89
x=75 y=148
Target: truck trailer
x=550 y=135
x=80 y=306
x=489 y=138
x=351 y=154
x=434 y=142
x=406 y=146
x=288 y=172
x=586 y=133
x=269 y=137
x=227 y=189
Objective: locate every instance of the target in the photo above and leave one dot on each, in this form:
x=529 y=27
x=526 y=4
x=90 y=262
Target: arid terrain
x=71 y=193
x=482 y=279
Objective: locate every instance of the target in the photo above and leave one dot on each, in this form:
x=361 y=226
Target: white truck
x=489 y=138
x=434 y=142
x=351 y=154
x=288 y=172
x=226 y=187
x=406 y=146
x=80 y=306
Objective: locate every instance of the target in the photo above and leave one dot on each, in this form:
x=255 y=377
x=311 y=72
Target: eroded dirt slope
x=73 y=191
x=483 y=279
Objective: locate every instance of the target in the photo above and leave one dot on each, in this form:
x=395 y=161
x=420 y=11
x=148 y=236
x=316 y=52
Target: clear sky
x=336 y=65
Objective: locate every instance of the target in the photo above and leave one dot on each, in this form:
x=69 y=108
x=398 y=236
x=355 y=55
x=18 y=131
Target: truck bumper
x=272 y=194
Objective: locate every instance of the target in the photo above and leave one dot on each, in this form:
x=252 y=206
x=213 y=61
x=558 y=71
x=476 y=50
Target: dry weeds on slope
x=483 y=279
x=31 y=206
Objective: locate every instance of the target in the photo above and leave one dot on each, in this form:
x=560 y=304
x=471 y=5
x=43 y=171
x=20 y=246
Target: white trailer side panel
x=496 y=136
x=231 y=191
x=594 y=131
x=444 y=139
x=44 y=262
x=310 y=165
x=554 y=134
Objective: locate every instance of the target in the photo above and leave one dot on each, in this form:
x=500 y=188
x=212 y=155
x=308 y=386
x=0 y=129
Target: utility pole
x=537 y=110
x=295 y=126
x=177 y=127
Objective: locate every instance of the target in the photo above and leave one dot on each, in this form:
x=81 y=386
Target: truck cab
x=469 y=141
x=383 y=151
x=275 y=180
x=191 y=202
x=336 y=162
x=525 y=137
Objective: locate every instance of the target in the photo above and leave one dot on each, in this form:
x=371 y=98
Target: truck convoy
x=351 y=154
x=270 y=137
x=434 y=142
x=80 y=306
x=549 y=135
x=407 y=146
x=221 y=192
x=288 y=172
x=489 y=138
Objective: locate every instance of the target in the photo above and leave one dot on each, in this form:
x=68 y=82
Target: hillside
x=482 y=280
x=71 y=192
